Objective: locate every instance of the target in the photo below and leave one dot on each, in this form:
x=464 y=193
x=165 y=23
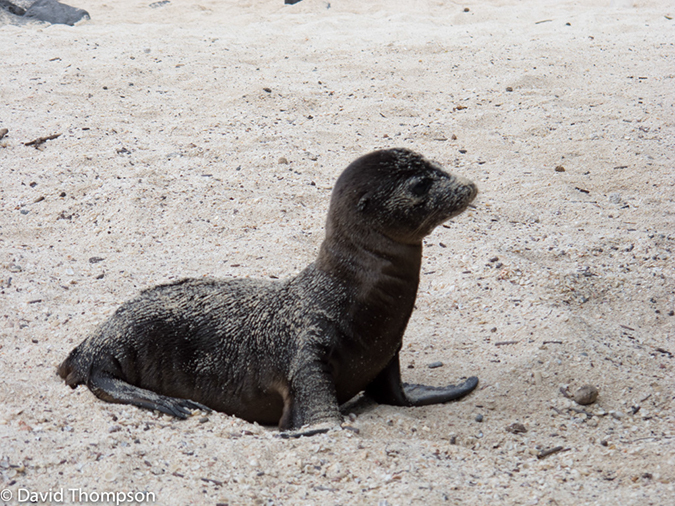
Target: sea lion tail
x=71 y=371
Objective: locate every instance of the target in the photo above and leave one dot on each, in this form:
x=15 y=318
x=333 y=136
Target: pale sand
x=168 y=163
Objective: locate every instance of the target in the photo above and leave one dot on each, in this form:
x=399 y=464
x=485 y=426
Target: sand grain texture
x=204 y=139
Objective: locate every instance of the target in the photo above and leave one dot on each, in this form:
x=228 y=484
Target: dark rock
x=50 y=11
x=17 y=10
x=587 y=394
x=516 y=428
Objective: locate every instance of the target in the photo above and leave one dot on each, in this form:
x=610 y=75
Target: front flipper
x=308 y=430
x=313 y=430
x=115 y=390
x=311 y=399
x=387 y=388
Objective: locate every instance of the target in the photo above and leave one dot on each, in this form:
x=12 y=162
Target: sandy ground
x=203 y=138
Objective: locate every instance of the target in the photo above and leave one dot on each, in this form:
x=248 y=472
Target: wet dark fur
x=289 y=352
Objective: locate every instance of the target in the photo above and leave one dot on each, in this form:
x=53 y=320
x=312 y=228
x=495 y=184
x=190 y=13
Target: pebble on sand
x=586 y=395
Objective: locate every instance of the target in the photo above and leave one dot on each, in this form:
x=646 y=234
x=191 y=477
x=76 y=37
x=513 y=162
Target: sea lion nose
x=466 y=188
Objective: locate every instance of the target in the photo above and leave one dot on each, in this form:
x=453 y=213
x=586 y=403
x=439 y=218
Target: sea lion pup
x=289 y=352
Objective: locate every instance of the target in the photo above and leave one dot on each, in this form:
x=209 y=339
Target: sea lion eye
x=421 y=187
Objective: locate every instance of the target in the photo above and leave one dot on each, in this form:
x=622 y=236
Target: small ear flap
x=363 y=203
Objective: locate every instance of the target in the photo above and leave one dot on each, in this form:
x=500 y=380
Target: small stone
x=586 y=395
x=479 y=418
x=559 y=168
x=516 y=428
x=618 y=415
x=538 y=378
x=14 y=268
x=615 y=198
x=283 y=161
x=434 y=365
x=509 y=89
x=204 y=419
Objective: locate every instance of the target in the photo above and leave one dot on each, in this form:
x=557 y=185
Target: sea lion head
x=397 y=193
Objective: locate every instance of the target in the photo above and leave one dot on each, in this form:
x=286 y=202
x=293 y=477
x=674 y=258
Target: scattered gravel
x=174 y=161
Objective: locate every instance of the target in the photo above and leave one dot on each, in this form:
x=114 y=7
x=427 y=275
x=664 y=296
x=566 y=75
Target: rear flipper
x=118 y=391
x=387 y=388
